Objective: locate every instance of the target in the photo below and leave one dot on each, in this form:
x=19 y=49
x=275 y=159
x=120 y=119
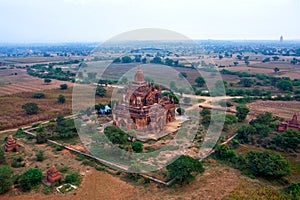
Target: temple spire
x=139 y=75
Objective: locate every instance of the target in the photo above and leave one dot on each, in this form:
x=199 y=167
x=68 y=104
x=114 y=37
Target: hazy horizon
x=69 y=21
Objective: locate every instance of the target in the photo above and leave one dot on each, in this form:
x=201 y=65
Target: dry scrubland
x=12 y=115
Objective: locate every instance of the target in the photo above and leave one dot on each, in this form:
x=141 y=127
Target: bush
x=2 y=156
x=61 y=99
x=63 y=86
x=38 y=95
x=289 y=139
x=184 y=169
x=6 y=174
x=30 y=108
x=294 y=190
x=73 y=179
x=267 y=164
x=18 y=162
x=242 y=112
x=137 y=146
x=32 y=177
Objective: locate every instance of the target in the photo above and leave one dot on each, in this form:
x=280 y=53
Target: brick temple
x=292 y=124
x=11 y=144
x=142 y=108
x=53 y=175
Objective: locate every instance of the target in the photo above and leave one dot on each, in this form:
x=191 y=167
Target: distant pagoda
x=11 y=144
x=53 y=175
x=281 y=39
x=292 y=124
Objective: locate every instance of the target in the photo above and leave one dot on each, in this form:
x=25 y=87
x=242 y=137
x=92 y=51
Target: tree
x=2 y=156
x=6 y=174
x=200 y=81
x=63 y=86
x=38 y=95
x=182 y=75
x=100 y=91
x=245 y=133
x=276 y=69
x=73 y=179
x=61 y=99
x=180 y=111
x=126 y=59
x=246 y=82
x=47 y=80
x=137 y=146
x=144 y=60
x=115 y=135
x=157 y=60
x=30 y=178
x=294 y=190
x=184 y=169
x=290 y=139
x=169 y=62
x=267 y=164
x=117 y=60
x=285 y=85
x=242 y=112
x=30 y=108
x=235 y=63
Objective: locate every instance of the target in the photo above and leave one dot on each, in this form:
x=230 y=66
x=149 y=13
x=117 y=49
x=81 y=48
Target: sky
x=29 y=21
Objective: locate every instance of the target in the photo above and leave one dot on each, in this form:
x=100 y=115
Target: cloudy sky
x=99 y=20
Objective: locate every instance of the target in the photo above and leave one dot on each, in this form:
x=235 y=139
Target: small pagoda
x=11 y=144
x=53 y=175
x=292 y=124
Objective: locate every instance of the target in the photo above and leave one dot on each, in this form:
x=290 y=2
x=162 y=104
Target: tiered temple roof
x=53 y=175
x=11 y=144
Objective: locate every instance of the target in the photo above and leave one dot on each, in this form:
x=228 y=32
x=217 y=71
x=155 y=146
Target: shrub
x=38 y=95
x=63 y=86
x=18 y=162
x=30 y=178
x=137 y=146
x=6 y=174
x=294 y=190
x=73 y=179
x=267 y=164
x=30 y=108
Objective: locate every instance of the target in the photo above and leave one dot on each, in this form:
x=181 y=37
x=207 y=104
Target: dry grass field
x=282 y=109
x=12 y=115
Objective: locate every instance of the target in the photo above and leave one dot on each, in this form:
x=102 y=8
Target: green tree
x=245 y=134
x=180 y=111
x=246 y=82
x=100 y=91
x=126 y=59
x=200 y=81
x=63 y=86
x=61 y=99
x=30 y=178
x=235 y=63
x=157 y=60
x=137 y=146
x=2 y=156
x=30 y=108
x=267 y=164
x=6 y=174
x=184 y=169
x=182 y=75
x=73 y=179
x=116 y=135
x=290 y=139
x=169 y=62
x=285 y=85
x=294 y=190
x=242 y=112
x=47 y=80
x=38 y=95
x=276 y=69
x=117 y=60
